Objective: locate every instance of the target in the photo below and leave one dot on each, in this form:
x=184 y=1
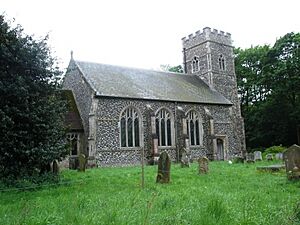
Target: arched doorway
x=220 y=149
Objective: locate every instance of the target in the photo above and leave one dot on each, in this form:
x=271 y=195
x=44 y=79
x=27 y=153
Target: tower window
x=130 y=128
x=195 y=64
x=221 y=62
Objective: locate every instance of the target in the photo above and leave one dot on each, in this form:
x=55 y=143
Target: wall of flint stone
x=109 y=152
x=209 y=45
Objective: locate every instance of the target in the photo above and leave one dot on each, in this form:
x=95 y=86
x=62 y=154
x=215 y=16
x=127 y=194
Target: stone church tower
x=209 y=55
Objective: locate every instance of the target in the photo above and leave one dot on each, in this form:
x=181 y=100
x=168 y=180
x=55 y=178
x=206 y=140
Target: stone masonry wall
x=109 y=152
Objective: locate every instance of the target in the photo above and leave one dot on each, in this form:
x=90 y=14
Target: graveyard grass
x=228 y=194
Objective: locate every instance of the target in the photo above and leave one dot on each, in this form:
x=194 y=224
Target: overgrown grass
x=229 y=194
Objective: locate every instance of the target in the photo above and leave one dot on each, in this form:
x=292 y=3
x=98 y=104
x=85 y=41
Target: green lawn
x=229 y=194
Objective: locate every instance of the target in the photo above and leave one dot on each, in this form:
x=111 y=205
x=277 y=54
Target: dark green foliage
x=269 y=87
x=174 y=69
x=31 y=114
x=274 y=150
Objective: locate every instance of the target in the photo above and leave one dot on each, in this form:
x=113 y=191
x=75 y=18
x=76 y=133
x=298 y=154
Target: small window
x=194 y=128
x=195 y=64
x=73 y=139
x=164 y=128
x=221 y=62
x=130 y=128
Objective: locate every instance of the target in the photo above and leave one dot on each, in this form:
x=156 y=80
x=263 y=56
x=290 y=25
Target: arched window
x=164 y=127
x=73 y=139
x=194 y=128
x=130 y=128
x=221 y=62
x=195 y=64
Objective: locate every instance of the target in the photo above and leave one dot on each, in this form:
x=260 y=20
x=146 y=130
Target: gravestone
x=82 y=162
x=185 y=161
x=279 y=156
x=257 y=156
x=291 y=159
x=55 y=167
x=250 y=158
x=269 y=157
x=164 y=166
x=203 y=165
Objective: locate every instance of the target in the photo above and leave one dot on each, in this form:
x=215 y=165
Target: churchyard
x=227 y=193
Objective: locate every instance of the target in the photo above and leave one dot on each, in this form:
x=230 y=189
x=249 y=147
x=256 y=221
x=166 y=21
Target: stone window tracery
x=73 y=139
x=130 y=128
x=164 y=127
x=221 y=62
x=195 y=64
x=194 y=128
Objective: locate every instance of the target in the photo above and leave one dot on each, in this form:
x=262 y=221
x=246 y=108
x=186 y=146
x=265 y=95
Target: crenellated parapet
x=207 y=34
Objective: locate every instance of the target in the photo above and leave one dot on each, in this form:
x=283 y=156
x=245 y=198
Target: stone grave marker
x=291 y=159
x=55 y=167
x=257 y=156
x=185 y=161
x=164 y=166
x=250 y=158
x=203 y=165
x=82 y=162
x=269 y=157
x=279 y=156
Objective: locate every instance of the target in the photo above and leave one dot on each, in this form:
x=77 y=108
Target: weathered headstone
x=185 y=161
x=82 y=162
x=291 y=158
x=269 y=157
x=203 y=165
x=55 y=167
x=257 y=156
x=164 y=166
x=279 y=156
x=250 y=158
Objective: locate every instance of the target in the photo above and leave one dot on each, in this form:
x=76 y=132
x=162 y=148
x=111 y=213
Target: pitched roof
x=72 y=116
x=117 y=81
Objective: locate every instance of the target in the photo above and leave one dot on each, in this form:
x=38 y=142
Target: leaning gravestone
x=257 y=156
x=269 y=157
x=291 y=158
x=185 y=161
x=203 y=165
x=279 y=156
x=82 y=162
x=55 y=167
x=250 y=158
x=164 y=166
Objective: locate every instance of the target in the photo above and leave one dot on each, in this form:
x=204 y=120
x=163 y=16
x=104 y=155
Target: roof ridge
x=135 y=68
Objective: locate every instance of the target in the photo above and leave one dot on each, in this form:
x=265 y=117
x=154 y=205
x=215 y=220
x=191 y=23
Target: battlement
x=207 y=34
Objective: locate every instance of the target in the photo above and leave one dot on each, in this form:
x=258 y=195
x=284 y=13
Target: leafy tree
x=269 y=87
x=174 y=69
x=31 y=113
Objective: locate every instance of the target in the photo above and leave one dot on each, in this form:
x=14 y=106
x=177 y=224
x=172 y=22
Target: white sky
x=146 y=34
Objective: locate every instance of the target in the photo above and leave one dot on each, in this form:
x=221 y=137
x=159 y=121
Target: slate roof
x=125 y=82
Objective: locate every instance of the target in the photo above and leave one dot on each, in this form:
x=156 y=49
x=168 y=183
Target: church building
x=126 y=111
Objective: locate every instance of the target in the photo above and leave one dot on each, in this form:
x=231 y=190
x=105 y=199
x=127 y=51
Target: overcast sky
x=146 y=34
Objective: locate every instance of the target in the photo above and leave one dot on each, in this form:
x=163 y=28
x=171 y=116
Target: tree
x=174 y=69
x=269 y=87
x=31 y=113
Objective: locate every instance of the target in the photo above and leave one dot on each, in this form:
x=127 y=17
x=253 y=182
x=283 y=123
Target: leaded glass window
x=194 y=128
x=164 y=127
x=221 y=62
x=195 y=64
x=130 y=128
